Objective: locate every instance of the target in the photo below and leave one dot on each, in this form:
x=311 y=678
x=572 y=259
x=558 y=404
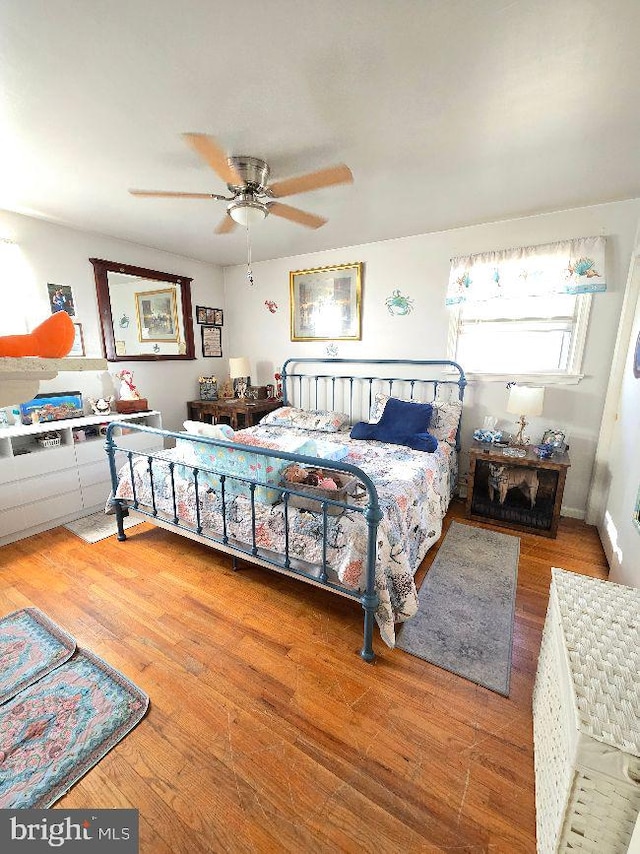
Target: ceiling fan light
x=247 y=213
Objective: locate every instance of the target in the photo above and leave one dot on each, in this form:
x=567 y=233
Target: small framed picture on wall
x=212 y=341
x=78 y=342
x=210 y=316
x=61 y=299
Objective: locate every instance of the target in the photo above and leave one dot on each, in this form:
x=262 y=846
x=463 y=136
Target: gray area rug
x=98 y=526
x=465 y=618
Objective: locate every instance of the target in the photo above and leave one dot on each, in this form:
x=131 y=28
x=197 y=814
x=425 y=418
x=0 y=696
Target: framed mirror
x=145 y=314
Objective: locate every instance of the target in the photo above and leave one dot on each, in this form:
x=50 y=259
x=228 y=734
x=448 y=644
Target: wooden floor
x=266 y=732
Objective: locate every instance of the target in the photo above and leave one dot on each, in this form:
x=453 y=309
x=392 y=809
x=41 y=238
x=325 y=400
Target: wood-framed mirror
x=145 y=314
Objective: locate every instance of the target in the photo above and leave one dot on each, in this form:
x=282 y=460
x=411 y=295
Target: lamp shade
x=524 y=400
x=239 y=367
x=248 y=213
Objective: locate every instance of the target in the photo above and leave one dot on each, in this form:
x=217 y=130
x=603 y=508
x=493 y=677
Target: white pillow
x=377 y=407
x=213 y=431
x=445 y=419
x=315 y=419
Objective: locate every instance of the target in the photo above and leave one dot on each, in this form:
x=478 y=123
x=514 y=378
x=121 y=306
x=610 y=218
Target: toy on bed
x=311 y=477
x=213 y=431
x=52 y=339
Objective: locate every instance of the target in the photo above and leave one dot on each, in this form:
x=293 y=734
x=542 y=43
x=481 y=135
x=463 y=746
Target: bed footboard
x=166 y=478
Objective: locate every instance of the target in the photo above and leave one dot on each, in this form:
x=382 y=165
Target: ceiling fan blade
x=225 y=225
x=296 y=215
x=209 y=150
x=340 y=174
x=170 y=194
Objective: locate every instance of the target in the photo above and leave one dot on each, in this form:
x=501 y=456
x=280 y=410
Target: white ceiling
x=449 y=112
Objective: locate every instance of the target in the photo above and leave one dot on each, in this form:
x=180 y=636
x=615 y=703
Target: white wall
x=52 y=253
x=419 y=267
x=619 y=534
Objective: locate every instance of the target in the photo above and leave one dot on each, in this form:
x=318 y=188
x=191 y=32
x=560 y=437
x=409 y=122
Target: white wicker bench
x=586 y=717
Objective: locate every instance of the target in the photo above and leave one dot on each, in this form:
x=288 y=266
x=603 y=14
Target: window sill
x=541 y=378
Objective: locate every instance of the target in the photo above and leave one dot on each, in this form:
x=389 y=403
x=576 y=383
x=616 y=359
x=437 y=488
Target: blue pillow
x=402 y=423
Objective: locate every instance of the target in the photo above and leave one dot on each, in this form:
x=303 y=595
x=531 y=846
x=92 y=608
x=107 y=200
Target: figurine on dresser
x=101 y=406
x=128 y=391
x=130 y=398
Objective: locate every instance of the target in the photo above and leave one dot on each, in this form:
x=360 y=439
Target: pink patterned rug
x=73 y=711
x=30 y=647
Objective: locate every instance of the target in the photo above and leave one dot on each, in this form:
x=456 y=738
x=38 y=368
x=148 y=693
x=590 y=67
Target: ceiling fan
x=252 y=196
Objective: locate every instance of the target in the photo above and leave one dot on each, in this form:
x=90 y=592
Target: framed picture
x=210 y=316
x=212 y=341
x=208 y=388
x=556 y=438
x=157 y=315
x=61 y=299
x=326 y=303
x=78 y=342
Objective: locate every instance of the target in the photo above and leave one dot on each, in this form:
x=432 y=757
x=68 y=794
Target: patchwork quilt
x=414 y=490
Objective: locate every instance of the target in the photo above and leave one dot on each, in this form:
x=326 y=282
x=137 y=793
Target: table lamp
x=523 y=401
x=239 y=370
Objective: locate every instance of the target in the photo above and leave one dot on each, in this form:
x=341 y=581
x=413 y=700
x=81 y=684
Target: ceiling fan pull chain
x=249 y=270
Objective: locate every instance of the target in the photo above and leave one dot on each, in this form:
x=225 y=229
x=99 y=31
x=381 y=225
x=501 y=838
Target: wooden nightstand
x=238 y=413
x=524 y=493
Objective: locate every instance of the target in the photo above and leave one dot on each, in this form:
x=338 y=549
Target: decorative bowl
x=490 y=436
x=544 y=451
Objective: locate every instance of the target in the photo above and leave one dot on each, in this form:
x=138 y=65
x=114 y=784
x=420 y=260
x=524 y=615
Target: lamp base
x=520 y=440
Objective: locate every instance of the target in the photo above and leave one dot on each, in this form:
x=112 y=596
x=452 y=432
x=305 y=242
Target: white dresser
x=586 y=717
x=46 y=483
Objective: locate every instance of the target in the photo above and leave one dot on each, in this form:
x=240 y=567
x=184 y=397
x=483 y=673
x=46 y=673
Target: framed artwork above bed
x=326 y=303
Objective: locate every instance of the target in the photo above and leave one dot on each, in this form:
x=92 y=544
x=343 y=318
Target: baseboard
x=16 y=536
x=572 y=513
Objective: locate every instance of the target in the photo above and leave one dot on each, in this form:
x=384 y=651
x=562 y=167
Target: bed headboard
x=350 y=385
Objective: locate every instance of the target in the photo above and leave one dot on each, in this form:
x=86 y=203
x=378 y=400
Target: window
x=525 y=311
x=530 y=335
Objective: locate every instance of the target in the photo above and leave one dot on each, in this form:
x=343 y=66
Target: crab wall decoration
x=399 y=304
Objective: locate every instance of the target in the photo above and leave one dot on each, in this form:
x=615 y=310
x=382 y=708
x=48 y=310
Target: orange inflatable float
x=53 y=339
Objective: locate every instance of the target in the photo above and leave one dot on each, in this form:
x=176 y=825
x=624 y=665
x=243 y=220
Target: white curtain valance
x=567 y=267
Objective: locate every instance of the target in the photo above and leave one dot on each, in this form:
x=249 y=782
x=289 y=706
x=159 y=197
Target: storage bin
x=586 y=717
x=49 y=441
x=345 y=483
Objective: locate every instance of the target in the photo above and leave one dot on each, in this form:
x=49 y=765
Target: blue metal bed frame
x=297 y=386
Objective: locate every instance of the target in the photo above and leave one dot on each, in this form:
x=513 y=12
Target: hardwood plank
x=266 y=732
